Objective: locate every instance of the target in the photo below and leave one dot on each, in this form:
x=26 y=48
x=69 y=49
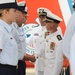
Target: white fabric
x=68 y=35
x=19 y=36
x=33 y=39
x=39 y=64
x=39 y=72
x=6 y=1
x=53 y=58
x=22 y=3
x=72 y=55
x=9 y=53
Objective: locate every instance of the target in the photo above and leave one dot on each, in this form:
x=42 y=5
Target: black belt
x=7 y=66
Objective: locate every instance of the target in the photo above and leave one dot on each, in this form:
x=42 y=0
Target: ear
x=5 y=12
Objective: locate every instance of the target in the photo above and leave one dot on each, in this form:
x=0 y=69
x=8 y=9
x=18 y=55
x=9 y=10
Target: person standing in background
x=8 y=45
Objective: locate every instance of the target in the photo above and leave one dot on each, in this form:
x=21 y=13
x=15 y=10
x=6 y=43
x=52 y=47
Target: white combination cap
x=42 y=11
x=52 y=17
x=22 y=6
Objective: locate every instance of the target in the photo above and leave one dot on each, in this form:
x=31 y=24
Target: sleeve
x=24 y=45
x=72 y=55
x=2 y=39
x=39 y=49
x=58 y=60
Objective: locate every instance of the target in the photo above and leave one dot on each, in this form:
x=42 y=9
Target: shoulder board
x=59 y=37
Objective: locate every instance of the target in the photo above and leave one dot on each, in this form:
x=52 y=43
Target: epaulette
x=59 y=37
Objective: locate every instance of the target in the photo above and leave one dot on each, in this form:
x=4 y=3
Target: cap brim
x=42 y=14
x=9 y=5
x=48 y=20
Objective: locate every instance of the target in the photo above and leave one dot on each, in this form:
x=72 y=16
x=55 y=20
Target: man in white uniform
x=39 y=31
x=52 y=46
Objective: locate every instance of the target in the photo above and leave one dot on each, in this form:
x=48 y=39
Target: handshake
x=31 y=58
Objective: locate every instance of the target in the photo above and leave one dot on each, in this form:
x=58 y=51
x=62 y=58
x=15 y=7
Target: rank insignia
x=41 y=10
x=52 y=45
x=59 y=37
x=36 y=34
x=46 y=33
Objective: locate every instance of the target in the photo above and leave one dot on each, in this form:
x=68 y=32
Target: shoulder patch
x=59 y=37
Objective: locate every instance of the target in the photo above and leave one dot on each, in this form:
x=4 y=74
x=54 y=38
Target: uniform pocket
x=12 y=41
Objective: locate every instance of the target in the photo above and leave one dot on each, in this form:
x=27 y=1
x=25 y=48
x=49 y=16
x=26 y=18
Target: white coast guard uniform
x=38 y=32
x=9 y=53
x=53 y=54
x=20 y=39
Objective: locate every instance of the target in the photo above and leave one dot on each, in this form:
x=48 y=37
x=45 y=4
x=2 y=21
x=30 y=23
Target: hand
x=29 y=58
x=32 y=58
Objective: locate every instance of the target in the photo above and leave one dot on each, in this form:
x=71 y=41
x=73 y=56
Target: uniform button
x=40 y=42
x=47 y=51
x=44 y=65
x=41 y=35
x=46 y=40
x=16 y=66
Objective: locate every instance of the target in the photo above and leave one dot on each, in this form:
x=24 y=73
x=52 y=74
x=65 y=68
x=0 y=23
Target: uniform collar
x=20 y=29
x=5 y=25
x=55 y=33
x=15 y=25
x=43 y=27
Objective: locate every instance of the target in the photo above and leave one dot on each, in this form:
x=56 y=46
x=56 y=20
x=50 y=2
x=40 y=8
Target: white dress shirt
x=19 y=36
x=9 y=53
